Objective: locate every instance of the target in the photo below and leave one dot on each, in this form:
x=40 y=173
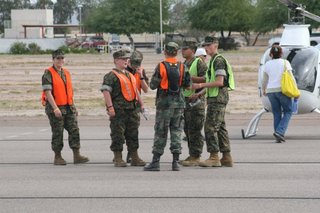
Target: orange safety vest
x=138 y=81
x=164 y=84
x=128 y=85
x=62 y=92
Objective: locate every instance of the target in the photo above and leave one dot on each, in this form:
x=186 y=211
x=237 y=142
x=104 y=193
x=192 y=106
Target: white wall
x=52 y=44
x=30 y=17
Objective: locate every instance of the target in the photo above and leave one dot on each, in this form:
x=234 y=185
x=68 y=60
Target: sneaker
x=279 y=137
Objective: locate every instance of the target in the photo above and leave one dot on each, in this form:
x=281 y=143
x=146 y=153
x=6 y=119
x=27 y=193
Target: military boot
x=77 y=158
x=192 y=161
x=212 y=161
x=175 y=165
x=58 y=160
x=154 y=165
x=117 y=160
x=188 y=158
x=226 y=159
x=128 y=159
x=136 y=160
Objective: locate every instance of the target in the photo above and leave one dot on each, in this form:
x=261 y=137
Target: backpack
x=173 y=73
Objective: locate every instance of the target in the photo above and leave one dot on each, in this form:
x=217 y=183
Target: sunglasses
x=59 y=58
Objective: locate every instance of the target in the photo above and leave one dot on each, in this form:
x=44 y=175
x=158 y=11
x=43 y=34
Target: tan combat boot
x=226 y=159
x=192 y=161
x=58 y=160
x=212 y=161
x=117 y=160
x=136 y=160
x=188 y=158
x=77 y=158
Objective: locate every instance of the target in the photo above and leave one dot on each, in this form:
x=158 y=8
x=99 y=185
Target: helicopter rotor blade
x=300 y=9
x=289 y=4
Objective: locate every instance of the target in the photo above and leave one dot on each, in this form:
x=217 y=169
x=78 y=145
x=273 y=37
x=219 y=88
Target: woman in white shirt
x=271 y=86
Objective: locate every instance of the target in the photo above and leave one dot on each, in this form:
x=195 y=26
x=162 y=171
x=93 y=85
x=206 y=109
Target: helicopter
x=305 y=62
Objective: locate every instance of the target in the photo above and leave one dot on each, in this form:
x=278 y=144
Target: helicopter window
x=304 y=64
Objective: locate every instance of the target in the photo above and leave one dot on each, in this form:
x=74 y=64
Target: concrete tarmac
x=266 y=177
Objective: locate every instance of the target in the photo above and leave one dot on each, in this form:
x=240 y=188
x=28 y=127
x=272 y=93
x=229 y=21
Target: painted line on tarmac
x=169 y=162
x=10 y=137
x=161 y=197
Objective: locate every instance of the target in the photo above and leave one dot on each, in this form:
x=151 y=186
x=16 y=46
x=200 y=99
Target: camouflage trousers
x=193 y=124
x=68 y=122
x=125 y=129
x=217 y=138
x=168 y=119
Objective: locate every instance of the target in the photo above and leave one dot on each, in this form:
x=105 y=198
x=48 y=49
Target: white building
x=30 y=17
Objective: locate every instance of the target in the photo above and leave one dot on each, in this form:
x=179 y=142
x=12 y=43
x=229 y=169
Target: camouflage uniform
x=124 y=126
x=194 y=116
x=68 y=120
x=169 y=115
x=217 y=138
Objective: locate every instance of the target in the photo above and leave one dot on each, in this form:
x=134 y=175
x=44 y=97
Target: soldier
x=134 y=67
x=219 y=79
x=194 y=112
x=57 y=97
x=121 y=95
x=169 y=77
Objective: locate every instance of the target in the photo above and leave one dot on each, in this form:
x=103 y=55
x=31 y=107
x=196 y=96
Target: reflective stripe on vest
x=61 y=92
x=193 y=72
x=128 y=85
x=214 y=91
x=164 y=84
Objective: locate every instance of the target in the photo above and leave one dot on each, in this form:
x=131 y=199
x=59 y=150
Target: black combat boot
x=154 y=165
x=175 y=162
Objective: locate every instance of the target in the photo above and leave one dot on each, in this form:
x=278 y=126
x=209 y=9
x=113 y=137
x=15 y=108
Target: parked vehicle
x=93 y=42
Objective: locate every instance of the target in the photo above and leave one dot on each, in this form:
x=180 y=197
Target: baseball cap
x=121 y=54
x=210 y=40
x=189 y=44
x=136 y=58
x=200 y=51
x=171 y=47
x=57 y=53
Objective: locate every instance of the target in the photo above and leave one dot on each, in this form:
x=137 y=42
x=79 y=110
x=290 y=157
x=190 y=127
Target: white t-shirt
x=274 y=68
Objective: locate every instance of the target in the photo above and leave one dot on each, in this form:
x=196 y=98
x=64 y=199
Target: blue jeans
x=282 y=111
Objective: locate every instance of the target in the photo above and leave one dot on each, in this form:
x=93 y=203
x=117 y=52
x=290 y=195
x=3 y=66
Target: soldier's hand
x=57 y=113
x=139 y=71
x=111 y=112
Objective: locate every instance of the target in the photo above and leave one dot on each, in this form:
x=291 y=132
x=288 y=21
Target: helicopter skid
x=316 y=110
x=253 y=125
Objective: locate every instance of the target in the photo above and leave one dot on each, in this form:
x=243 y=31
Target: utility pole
x=161 y=45
x=80 y=7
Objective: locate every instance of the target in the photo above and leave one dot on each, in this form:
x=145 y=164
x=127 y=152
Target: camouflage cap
x=121 y=54
x=57 y=53
x=171 y=47
x=136 y=58
x=210 y=40
x=189 y=44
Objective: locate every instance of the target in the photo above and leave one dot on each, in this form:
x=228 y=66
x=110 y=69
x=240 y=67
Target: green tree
x=62 y=13
x=222 y=15
x=127 y=17
x=5 y=10
x=269 y=15
x=43 y=4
